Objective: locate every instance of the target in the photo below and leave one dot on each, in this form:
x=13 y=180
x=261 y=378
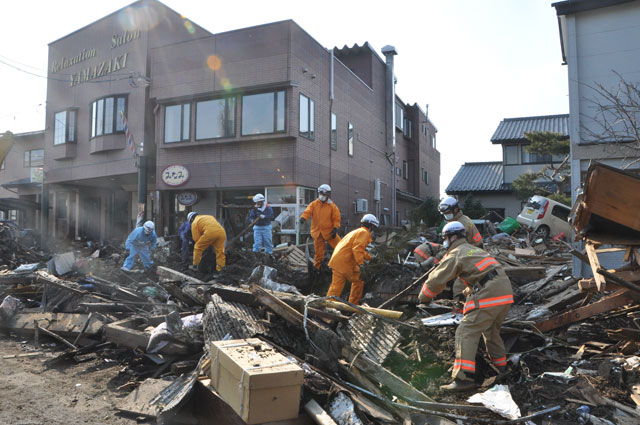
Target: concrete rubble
x=573 y=344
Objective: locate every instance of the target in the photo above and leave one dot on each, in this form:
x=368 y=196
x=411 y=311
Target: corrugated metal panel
x=477 y=177
x=515 y=128
x=375 y=337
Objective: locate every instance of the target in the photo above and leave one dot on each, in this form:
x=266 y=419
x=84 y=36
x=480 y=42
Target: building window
x=334 y=132
x=64 y=127
x=106 y=115
x=511 y=155
x=398 y=171
x=407 y=128
x=350 y=139
x=534 y=158
x=433 y=141
x=34 y=158
x=399 y=116
x=307 y=117
x=263 y=113
x=215 y=118
x=425 y=176
x=405 y=170
x=176 y=123
x=2 y=165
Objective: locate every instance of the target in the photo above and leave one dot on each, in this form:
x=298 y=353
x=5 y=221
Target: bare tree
x=616 y=119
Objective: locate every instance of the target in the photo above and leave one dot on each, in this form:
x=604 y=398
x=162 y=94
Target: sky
x=473 y=62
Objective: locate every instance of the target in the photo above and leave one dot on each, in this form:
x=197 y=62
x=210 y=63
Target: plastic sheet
x=498 y=399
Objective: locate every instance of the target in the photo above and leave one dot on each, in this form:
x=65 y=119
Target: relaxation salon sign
x=100 y=69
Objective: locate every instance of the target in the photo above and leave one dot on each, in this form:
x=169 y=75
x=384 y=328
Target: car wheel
x=543 y=231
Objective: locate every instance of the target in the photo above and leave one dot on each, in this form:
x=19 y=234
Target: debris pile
x=229 y=344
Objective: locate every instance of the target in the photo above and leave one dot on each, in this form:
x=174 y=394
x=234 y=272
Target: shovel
x=243 y=231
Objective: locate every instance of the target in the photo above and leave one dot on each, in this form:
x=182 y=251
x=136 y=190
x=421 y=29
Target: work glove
x=302 y=220
x=467 y=291
x=262 y=216
x=334 y=233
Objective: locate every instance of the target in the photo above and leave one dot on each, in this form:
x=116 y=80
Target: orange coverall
x=345 y=263
x=325 y=216
x=206 y=231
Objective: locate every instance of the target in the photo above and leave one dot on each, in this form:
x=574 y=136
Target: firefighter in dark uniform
x=488 y=299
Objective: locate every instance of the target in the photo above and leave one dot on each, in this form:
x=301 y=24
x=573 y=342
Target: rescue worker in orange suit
x=451 y=211
x=325 y=222
x=347 y=258
x=206 y=232
x=488 y=299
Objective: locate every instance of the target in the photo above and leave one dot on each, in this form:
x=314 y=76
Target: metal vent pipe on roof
x=390 y=103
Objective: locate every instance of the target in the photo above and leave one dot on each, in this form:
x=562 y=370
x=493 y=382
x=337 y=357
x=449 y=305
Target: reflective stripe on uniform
x=427 y=292
x=477 y=237
x=500 y=362
x=420 y=253
x=488 y=302
x=486 y=262
x=465 y=365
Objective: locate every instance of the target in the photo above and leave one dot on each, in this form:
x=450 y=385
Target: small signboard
x=187 y=198
x=175 y=175
x=36 y=175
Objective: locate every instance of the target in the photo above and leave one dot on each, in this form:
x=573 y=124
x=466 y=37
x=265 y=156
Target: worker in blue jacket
x=262 y=228
x=138 y=243
x=185 y=236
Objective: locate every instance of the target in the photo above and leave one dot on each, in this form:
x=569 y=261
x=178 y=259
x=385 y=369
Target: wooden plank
x=63 y=324
x=529 y=272
x=618 y=299
x=595 y=265
x=563 y=299
x=123 y=333
x=379 y=374
x=627 y=254
x=636 y=255
x=536 y=286
x=590 y=285
x=318 y=414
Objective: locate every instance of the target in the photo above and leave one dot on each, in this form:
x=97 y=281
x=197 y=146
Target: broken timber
x=63 y=324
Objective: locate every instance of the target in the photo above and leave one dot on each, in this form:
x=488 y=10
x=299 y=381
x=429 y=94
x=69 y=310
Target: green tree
x=472 y=207
x=547 y=144
x=427 y=212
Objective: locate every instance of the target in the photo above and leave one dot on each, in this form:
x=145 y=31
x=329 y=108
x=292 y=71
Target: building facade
x=145 y=109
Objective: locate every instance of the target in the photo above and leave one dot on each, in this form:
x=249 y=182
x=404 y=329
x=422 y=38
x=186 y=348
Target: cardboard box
x=259 y=383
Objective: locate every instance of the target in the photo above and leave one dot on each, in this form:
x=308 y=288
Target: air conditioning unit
x=362 y=205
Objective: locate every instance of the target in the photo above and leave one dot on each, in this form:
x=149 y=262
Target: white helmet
x=191 y=215
x=149 y=227
x=448 y=204
x=371 y=219
x=324 y=189
x=258 y=198
x=453 y=228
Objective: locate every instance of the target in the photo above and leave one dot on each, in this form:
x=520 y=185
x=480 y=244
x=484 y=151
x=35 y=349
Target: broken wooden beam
x=391 y=314
x=620 y=281
x=64 y=324
x=618 y=299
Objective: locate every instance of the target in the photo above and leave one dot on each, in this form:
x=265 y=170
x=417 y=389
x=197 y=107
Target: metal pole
x=142 y=190
x=44 y=215
x=390 y=101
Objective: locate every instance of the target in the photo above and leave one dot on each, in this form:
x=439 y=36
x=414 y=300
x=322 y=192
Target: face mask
x=446 y=244
x=322 y=198
x=448 y=217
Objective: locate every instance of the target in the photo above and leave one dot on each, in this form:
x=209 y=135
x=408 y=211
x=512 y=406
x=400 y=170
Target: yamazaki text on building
x=105 y=67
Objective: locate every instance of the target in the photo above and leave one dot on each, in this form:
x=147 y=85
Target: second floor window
x=216 y=118
x=399 y=116
x=176 y=123
x=106 y=115
x=34 y=158
x=425 y=176
x=307 y=117
x=405 y=170
x=407 y=128
x=64 y=127
x=334 y=132
x=534 y=158
x=263 y=113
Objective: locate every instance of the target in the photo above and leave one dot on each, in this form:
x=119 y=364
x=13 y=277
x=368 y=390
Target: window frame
x=405 y=169
x=350 y=142
x=311 y=123
x=68 y=112
x=30 y=164
x=399 y=120
x=231 y=124
x=115 y=120
x=333 y=135
x=275 y=112
x=518 y=155
x=524 y=152
x=406 y=131
x=425 y=176
x=182 y=122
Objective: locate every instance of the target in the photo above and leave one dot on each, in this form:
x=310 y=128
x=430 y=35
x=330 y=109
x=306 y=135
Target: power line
x=125 y=76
